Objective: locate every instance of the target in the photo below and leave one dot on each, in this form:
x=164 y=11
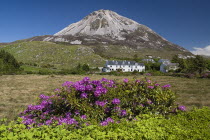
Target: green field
x=58 y=55
x=18 y=91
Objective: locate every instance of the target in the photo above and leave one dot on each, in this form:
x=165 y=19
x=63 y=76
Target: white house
x=166 y=65
x=124 y=66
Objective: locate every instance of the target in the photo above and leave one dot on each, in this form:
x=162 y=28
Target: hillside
x=58 y=55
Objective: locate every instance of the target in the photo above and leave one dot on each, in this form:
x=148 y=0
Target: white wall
x=126 y=68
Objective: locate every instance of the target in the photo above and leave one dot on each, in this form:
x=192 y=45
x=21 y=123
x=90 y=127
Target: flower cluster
x=107 y=121
x=99 y=101
x=182 y=108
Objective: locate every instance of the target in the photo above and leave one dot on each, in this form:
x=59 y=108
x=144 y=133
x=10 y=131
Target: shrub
x=100 y=102
x=192 y=125
x=44 y=72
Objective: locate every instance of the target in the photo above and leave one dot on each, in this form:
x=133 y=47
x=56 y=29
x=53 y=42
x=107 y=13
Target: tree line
x=197 y=64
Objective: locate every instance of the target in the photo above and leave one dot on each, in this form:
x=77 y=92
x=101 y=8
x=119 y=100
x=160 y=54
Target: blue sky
x=183 y=22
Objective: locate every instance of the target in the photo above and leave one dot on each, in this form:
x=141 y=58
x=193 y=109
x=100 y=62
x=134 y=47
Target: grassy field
x=18 y=91
x=58 y=55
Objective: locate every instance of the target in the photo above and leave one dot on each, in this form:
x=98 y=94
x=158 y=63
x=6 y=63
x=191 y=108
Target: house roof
x=124 y=62
x=171 y=64
x=162 y=60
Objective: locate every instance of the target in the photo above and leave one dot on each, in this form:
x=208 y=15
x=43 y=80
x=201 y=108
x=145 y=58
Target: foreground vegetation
x=106 y=109
x=191 y=125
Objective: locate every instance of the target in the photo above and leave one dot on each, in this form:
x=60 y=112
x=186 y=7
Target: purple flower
x=116 y=101
x=80 y=88
x=87 y=124
x=83 y=95
x=86 y=79
x=148 y=74
x=88 y=87
x=157 y=84
x=57 y=90
x=44 y=97
x=123 y=113
x=95 y=82
x=109 y=120
x=182 y=108
x=125 y=80
x=104 y=80
x=48 y=122
x=149 y=81
x=67 y=84
x=166 y=86
x=68 y=114
x=104 y=123
x=137 y=81
x=45 y=103
x=107 y=110
x=100 y=103
x=77 y=112
x=28 y=121
x=151 y=87
x=83 y=117
x=97 y=93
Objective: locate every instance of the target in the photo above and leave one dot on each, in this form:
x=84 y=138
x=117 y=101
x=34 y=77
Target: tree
x=200 y=64
x=85 y=67
x=183 y=67
x=8 y=63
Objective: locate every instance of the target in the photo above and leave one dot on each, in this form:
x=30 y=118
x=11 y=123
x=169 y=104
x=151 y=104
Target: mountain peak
x=101 y=22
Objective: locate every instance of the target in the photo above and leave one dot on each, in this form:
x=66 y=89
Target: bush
x=191 y=125
x=100 y=102
x=44 y=72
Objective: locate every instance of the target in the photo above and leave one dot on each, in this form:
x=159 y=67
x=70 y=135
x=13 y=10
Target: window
x=110 y=66
x=131 y=69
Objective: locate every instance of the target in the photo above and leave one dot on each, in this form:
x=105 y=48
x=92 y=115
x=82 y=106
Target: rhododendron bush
x=100 y=102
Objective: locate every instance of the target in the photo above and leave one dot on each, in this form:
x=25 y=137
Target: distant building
x=166 y=65
x=124 y=66
x=148 y=60
x=164 y=60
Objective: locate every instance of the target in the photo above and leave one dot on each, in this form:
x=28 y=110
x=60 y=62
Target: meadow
x=18 y=91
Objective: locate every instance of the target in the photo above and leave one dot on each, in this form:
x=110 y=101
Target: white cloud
x=202 y=51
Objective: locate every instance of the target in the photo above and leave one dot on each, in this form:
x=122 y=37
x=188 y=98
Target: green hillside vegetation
x=65 y=56
x=54 y=55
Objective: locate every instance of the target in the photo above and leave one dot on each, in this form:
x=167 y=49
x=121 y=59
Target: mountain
x=106 y=29
x=105 y=34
